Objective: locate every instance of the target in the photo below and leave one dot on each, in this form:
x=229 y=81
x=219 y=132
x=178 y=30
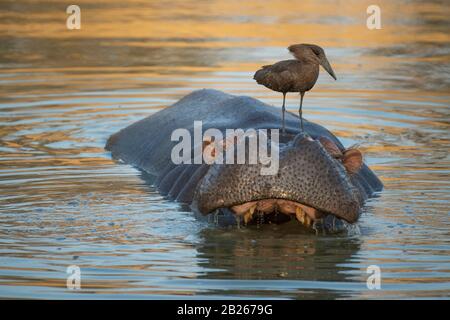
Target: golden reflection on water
x=64 y=201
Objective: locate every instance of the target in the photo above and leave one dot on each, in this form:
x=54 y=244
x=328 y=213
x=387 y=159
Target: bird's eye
x=316 y=51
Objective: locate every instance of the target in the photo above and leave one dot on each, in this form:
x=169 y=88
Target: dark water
x=64 y=201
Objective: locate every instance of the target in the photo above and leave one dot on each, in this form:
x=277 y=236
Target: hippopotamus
x=319 y=182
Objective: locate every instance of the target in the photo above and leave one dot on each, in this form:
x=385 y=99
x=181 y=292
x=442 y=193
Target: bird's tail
x=260 y=75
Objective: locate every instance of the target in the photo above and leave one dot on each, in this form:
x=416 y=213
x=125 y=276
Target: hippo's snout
x=312 y=181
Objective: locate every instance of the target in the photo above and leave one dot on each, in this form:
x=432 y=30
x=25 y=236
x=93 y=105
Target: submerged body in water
x=319 y=182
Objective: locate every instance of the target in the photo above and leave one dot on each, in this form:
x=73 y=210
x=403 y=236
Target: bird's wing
x=285 y=65
x=278 y=76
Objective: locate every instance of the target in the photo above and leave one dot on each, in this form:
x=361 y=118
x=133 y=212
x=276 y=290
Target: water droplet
x=259 y=219
x=238 y=222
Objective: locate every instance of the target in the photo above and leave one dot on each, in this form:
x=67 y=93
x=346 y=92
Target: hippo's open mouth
x=277 y=210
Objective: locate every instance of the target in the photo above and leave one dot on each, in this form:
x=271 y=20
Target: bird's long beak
x=326 y=65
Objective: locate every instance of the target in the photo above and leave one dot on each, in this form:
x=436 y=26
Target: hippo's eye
x=351 y=158
x=331 y=147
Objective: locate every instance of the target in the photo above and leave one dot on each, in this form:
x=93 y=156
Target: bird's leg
x=300 y=109
x=283 y=110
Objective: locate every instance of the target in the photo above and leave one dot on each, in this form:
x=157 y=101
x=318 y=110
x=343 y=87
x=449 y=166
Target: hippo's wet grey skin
x=319 y=182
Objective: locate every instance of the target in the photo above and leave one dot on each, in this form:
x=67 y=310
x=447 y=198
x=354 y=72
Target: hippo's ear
x=352 y=160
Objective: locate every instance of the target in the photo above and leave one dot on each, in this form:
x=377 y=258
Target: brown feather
x=288 y=76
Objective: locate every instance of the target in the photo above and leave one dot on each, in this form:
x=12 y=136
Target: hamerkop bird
x=298 y=75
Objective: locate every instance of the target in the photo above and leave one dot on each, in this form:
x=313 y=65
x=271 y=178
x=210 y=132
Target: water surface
x=64 y=201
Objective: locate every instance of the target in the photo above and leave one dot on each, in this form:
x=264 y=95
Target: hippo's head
x=315 y=179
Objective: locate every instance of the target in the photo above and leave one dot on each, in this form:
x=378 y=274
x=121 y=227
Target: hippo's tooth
x=308 y=221
x=243 y=208
x=302 y=217
x=249 y=214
